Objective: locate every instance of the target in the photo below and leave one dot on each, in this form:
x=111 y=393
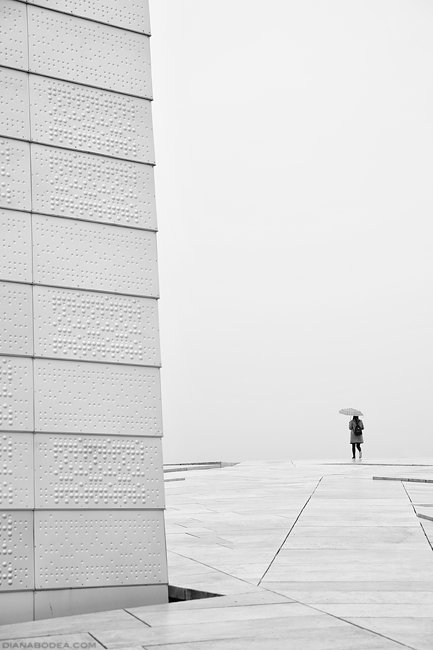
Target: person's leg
x=353 y=450
x=358 y=444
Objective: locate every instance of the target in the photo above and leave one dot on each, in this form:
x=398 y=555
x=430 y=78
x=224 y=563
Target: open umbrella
x=350 y=412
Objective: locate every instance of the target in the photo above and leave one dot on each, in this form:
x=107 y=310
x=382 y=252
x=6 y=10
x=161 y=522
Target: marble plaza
x=303 y=554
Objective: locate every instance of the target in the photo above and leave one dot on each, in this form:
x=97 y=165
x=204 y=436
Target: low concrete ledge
x=218 y=463
x=182 y=468
x=187 y=467
x=367 y=464
x=405 y=480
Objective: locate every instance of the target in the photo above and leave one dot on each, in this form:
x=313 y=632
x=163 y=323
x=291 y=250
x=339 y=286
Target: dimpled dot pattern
x=15 y=242
x=14 y=174
x=79 y=50
x=16 y=540
x=88 y=119
x=81 y=474
x=97 y=398
x=16 y=319
x=13 y=35
x=16 y=459
x=14 y=113
x=130 y=14
x=98 y=472
x=16 y=394
x=95 y=548
x=94 y=188
x=99 y=327
x=93 y=256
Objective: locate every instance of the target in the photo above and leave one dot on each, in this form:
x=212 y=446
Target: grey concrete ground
x=308 y=555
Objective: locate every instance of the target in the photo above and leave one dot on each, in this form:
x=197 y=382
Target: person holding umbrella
x=356 y=427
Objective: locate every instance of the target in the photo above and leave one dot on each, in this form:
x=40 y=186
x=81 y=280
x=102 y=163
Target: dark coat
x=354 y=438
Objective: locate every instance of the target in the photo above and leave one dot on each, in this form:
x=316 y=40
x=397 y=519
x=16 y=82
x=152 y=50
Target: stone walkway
x=308 y=556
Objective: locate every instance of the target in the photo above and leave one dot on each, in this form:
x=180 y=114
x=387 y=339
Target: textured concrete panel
x=67 y=602
x=16 y=327
x=14 y=174
x=129 y=14
x=14 y=107
x=97 y=327
x=13 y=34
x=16 y=394
x=94 y=188
x=78 y=50
x=81 y=476
x=16 y=607
x=16 y=471
x=78 y=254
x=100 y=547
x=101 y=121
x=16 y=543
x=98 y=472
x=77 y=397
x=16 y=246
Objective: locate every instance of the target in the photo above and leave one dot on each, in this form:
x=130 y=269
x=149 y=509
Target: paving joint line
x=97 y=640
x=416 y=515
x=214 y=569
x=361 y=627
x=138 y=619
x=290 y=530
x=343 y=620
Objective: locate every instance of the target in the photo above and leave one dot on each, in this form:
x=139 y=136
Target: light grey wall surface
x=81 y=480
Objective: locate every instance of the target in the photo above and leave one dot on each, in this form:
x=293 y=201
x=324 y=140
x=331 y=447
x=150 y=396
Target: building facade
x=81 y=480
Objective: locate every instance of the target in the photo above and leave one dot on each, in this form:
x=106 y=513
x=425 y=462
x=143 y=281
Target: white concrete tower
x=81 y=481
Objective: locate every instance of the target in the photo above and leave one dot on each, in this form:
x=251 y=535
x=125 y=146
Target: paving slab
x=379 y=610
x=354 y=537
x=344 y=586
x=413 y=632
x=118 y=619
x=321 y=598
x=239 y=613
x=334 y=638
x=253 y=628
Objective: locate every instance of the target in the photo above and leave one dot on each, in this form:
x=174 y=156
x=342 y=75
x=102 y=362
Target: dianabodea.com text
x=39 y=645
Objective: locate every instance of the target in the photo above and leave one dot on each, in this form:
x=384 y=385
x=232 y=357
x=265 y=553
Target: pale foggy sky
x=294 y=175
